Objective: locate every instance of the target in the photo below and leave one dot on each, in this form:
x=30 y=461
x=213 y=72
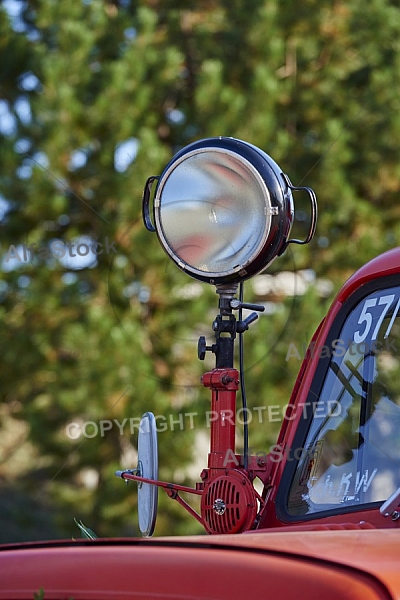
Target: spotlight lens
x=213 y=212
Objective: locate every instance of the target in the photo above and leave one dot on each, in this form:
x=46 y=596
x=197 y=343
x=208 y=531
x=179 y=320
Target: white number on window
x=367 y=320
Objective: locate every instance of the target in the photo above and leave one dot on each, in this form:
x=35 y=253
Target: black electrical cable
x=243 y=387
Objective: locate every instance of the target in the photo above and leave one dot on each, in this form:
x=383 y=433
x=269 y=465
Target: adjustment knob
x=202 y=348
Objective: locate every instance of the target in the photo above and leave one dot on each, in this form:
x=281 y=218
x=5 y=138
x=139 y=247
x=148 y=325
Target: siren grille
x=228 y=503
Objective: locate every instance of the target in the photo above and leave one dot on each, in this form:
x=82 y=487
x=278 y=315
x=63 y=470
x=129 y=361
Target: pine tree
x=95 y=97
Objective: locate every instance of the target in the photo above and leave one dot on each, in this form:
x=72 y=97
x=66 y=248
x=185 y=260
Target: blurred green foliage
x=315 y=84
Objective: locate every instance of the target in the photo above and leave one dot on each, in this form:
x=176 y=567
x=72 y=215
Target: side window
x=352 y=449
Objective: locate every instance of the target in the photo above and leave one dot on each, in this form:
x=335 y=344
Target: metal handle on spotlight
x=146 y=203
x=314 y=211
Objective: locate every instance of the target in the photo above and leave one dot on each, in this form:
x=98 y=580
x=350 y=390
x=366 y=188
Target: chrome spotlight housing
x=223 y=210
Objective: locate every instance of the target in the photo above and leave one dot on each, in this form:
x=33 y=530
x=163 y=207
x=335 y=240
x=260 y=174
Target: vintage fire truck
x=326 y=521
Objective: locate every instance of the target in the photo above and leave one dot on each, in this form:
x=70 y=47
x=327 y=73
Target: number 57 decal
x=366 y=318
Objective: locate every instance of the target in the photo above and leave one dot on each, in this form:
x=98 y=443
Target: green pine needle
x=86 y=532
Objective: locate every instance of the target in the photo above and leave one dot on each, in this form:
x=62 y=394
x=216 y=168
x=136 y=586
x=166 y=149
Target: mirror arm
x=128 y=475
x=172 y=489
x=186 y=506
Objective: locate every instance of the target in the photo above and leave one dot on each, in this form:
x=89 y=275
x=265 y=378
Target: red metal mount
x=229 y=501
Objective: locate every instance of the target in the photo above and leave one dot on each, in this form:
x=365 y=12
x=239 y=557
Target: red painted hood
x=330 y=565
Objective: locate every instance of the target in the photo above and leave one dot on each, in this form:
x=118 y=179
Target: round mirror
x=148 y=468
x=223 y=210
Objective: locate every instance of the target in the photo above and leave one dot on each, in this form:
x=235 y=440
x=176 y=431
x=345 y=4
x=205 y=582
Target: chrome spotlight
x=223 y=210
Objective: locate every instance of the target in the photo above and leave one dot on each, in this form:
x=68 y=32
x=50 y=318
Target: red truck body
x=351 y=553
x=326 y=524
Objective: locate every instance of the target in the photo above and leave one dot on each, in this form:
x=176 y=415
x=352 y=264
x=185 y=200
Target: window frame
x=314 y=392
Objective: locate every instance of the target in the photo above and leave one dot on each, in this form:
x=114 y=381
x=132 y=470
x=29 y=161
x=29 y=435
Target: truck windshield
x=352 y=449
